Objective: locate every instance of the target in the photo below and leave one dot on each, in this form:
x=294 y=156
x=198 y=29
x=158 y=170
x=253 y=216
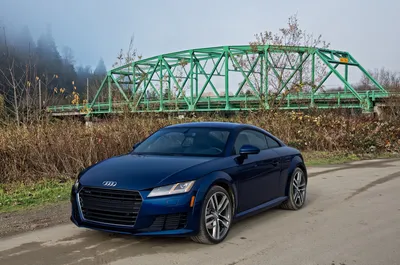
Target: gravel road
x=352 y=216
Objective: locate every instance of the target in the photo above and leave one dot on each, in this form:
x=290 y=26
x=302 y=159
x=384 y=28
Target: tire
x=205 y=235
x=296 y=196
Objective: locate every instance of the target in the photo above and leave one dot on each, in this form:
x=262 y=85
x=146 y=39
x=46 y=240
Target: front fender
x=204 y=184
x=219 y=178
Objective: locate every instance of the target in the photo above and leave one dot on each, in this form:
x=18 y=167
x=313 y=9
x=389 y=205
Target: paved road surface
x=352 y=216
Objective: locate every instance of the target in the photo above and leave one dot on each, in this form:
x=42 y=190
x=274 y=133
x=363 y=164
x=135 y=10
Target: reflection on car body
x=190 y=179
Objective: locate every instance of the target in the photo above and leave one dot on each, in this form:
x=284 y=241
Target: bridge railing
x=246 y=102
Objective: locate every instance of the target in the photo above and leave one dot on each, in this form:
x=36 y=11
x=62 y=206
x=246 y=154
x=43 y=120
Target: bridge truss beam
x=283 y=76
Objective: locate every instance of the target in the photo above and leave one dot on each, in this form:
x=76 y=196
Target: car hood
x=139 y=172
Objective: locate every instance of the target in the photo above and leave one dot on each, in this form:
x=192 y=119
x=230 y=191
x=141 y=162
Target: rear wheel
x=216 y=217
x=297 y=191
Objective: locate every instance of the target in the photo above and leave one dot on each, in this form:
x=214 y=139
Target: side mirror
x=246 y=150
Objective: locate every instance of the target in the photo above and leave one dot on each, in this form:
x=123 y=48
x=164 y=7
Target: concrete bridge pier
x=88 y=121
x=386 y=111
x=378 y=111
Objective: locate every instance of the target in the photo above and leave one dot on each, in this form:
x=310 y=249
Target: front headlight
x=177 y=188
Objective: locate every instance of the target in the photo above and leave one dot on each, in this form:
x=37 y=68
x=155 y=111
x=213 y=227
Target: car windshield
x=185 y=141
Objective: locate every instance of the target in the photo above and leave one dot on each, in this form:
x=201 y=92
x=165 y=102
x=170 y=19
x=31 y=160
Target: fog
x=79 y=36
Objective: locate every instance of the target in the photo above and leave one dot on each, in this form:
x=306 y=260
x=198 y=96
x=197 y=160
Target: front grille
x=168 y=222
x=119 y=207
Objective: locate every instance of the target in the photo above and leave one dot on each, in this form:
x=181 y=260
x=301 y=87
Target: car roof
x=212 y=124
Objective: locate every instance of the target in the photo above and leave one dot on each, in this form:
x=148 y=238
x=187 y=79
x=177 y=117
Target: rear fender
x=297 y=161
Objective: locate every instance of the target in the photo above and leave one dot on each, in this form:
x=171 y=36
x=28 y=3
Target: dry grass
x=50 y=150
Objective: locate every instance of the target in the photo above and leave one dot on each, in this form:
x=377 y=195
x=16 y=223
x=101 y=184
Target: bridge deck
x=290 y=102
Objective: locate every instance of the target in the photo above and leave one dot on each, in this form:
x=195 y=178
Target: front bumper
x=164 y=216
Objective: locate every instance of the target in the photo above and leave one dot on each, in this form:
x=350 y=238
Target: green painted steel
x=282 y=77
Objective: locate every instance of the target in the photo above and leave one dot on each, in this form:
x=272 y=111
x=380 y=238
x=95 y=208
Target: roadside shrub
x=62 y=148
x=2 y=107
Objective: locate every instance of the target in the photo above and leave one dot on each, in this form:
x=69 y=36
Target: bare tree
x=281 y=65
x=20 y=86
x=390 y=80
x=129 y=56
x=124 y=58
x=16 y=84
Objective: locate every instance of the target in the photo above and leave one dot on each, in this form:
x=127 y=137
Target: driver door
x=257 y=176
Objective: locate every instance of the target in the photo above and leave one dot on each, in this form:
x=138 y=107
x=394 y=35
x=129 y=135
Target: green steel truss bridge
x=232 y=78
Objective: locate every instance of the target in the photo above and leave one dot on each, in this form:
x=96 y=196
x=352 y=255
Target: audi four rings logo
x=109 y=183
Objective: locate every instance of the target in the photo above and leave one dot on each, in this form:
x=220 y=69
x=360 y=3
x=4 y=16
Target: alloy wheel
x=218 y=215
x=299 y=188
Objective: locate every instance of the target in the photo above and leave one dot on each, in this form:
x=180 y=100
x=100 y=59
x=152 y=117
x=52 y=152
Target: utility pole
x=40 y=95
x=87 y=90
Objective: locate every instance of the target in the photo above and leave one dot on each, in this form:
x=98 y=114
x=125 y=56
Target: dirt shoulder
x=28 y=220
x=351 y=217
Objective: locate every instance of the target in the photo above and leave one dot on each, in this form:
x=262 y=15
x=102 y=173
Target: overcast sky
x=368 y=29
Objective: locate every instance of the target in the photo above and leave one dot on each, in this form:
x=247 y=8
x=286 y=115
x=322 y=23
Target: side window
x=272 y=143
x=250 y=137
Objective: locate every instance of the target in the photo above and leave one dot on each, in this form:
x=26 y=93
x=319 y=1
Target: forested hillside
x=27 y=64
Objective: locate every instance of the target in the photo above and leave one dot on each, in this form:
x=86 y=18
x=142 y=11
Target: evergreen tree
x=24 y=42
x=101 y=69
x=49 y=60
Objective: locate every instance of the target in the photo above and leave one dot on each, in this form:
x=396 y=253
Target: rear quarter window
x=272 y=143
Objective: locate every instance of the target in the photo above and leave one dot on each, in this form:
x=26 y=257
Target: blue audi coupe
x=192 y=180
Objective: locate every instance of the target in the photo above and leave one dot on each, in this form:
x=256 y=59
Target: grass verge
x=332 y=158
x=18 y=196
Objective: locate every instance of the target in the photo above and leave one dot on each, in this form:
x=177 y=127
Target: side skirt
x=261 y=208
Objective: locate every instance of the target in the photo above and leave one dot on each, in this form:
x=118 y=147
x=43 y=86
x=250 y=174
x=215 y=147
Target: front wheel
x=297 y=191
x=216 y=217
